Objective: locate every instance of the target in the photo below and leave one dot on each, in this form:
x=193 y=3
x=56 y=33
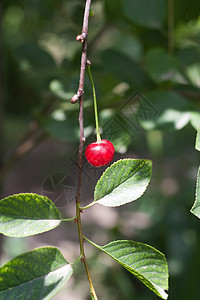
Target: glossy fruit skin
x=99 y=154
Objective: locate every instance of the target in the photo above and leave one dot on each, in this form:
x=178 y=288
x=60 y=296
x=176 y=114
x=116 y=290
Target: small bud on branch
x=81 y=37
x=75 y=98
x=88 y=63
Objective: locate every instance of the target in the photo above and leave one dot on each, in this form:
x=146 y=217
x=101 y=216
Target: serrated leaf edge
x=197 y=183
x=45 y=275
x=32 y=194
x=33 y=250
x=197 y=139
x=131 y=159
x=35 y=194
x=160 y=290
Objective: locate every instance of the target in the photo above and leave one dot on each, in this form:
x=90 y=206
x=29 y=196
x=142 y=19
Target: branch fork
x=83 y=39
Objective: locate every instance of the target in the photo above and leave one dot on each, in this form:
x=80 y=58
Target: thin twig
x=24 y=148
x=31 y=138
x=193 y=95
x=79 y=97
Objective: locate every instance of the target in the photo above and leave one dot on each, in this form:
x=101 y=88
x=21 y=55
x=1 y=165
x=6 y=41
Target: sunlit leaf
x=162 y=66
x=35 y=275
x=123 y=182
x=195 y=119
x=145 y=262
x=193 y=73
x=58 y=89
x=27 y=214
x=173 y=111
x=196 y=207
x=197 y=146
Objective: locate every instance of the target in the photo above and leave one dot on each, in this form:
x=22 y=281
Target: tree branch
x=80 y=97
x=33 y=139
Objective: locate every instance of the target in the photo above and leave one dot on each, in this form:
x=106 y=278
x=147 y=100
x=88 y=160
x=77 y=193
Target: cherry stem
x=95 y=104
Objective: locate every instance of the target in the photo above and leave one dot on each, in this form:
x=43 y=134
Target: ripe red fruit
x=99 y=154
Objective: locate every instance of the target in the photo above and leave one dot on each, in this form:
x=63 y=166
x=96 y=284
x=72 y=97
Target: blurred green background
x=146 y=66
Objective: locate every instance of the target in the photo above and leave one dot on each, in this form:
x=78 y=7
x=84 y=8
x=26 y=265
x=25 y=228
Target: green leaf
x=197 y=146
x=195 y=119
x=113 y=10
x=27 y=214
x=173 y=111
x=62 y=125
x=35 y=275
x=123 y=182
x=123 y=67
x=196 y=207
x=193 y=73
x=188 y=56
x=147 y=13
x=35 y=56
x=58 y=89
x=145 y=262
x=162 y=66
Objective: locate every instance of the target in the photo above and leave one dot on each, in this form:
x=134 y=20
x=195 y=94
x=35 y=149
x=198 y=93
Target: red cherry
x=99 y=154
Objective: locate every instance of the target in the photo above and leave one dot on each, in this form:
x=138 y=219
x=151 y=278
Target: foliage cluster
x=145 y=59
